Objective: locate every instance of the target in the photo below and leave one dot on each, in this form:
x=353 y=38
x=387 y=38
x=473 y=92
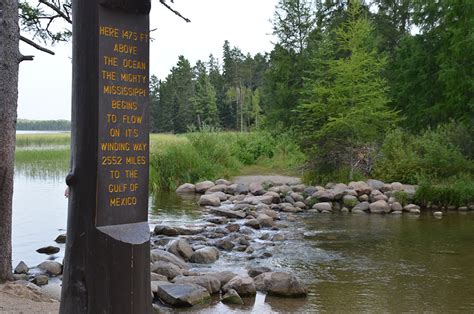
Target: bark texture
x=9 y=60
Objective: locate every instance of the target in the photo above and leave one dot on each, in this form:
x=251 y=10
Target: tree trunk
x=9 y=60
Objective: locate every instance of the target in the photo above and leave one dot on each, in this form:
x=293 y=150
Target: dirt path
x=25 y=298
x=274 y=178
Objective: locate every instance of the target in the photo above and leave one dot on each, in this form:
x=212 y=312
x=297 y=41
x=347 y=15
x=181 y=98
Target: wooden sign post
x=107 y=262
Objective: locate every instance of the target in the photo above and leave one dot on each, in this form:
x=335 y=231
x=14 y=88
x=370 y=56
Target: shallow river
x=351 y=263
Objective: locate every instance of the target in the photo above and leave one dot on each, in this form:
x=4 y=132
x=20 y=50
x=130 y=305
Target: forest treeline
x=426 y=47
x=43 y=125
x=355 y=83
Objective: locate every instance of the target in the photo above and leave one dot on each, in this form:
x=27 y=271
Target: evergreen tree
x=348 y=110
x=154 y=103
x=292 y=23
x=205 y=104
x=183 y=91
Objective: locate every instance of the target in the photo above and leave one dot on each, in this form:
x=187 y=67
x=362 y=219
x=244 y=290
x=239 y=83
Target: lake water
x=351 y=263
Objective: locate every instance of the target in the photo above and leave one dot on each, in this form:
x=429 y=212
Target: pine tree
x=348 y=110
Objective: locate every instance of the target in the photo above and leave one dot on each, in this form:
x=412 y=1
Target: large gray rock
x=255 y=200
x=182 y=230
x=299 y=188
x=202 y=187
x=256 y=188
x=223 y=181
x=265 y=221
x=396 y=206
x=280 y=284
x=223 y=276
x=180 y=248
x=396 y=186
x=376 y=195
x=324 y=195
x=244 y=286
x=379 y=207
x=363 y=206
x=51 y=267
x=61 y=239
x=217 y=188
x=338 y=191
x=323 y=206
x=270 y=213
x=288 y=208
x=297 y=197
x=182 y=295
x=375 y=184
x=163 y=256
x=205 y=255
x=165 y=230
x=209 y=200
x=228 y=213
x=41 y=280
x=237 y=189
x=411 y=208
x=166 y=269
x=232 y=297
x=221 y=195
x=49 y=250
x=21 y=268
x=255 y=271
x=157 y=277
x=224 y=244
x=210 y=283
x=275 y=197
x=186 y=188
x=360 y=187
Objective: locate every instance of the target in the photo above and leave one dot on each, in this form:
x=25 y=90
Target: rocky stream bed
x=223 y=257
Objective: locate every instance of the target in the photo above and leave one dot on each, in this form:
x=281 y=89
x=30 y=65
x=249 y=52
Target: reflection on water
x=351 y=263
x=39 y=216
x=172 y=209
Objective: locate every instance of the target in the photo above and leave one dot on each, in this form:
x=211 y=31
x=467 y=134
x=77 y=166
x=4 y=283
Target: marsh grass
x=456 y=191
x=41 y=140
x=211 y=155
x=175 y=159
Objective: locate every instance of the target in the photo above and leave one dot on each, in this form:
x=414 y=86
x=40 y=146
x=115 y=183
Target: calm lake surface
x=351 y=263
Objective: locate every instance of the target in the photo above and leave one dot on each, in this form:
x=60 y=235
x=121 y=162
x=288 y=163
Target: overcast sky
x=45 y=83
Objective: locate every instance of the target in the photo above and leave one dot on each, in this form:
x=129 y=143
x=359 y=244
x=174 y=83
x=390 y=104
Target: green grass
x=175 y=159
x=40 y=140
x=456 y=191
x=213 y=155
x=159 y=142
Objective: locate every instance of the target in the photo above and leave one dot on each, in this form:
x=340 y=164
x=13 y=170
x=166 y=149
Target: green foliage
x=346 y=112
x=210 y=155
x=433 y=155
x=42 y=154
x=205 y=94
x=401 y=197
x=457 y=191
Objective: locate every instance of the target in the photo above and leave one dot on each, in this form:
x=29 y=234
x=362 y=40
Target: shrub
x=401 y=197
x=458 y=191
x=210 y=155
x=432 y=155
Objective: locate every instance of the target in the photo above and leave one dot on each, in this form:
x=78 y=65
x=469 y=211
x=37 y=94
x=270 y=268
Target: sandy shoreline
x=25 y=298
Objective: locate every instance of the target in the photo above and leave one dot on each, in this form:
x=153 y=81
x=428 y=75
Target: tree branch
x=26 y=58
x=163 y=2
x=57 y=10
x=35 y=45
